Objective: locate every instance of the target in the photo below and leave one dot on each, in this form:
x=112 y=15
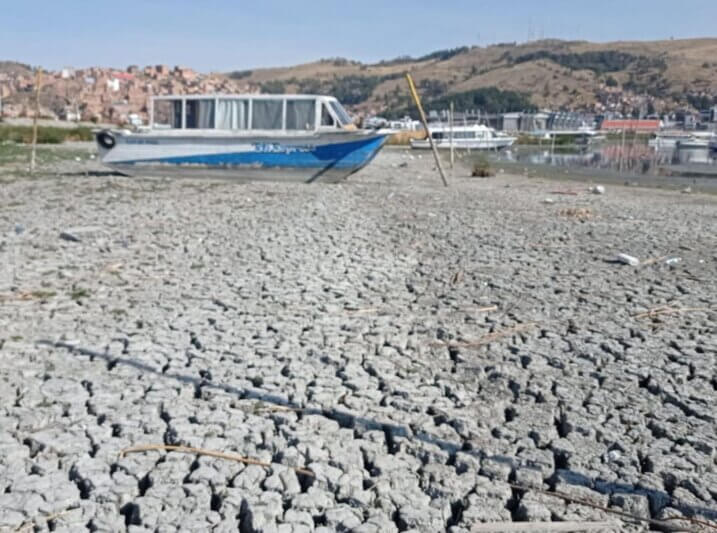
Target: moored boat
x=474 y=137
x=681 y=139
x=302 y=138
x=698 y=139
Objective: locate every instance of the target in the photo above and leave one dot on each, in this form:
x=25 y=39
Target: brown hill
x=662 y=75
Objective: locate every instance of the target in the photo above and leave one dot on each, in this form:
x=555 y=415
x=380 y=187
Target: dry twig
x=667 y=310
x=569 y=193
x=363 y=311
x=653 y=260
x=485 y=309
x=664 y=523
x=490 y=337
x=209 y=453
x=32 y=524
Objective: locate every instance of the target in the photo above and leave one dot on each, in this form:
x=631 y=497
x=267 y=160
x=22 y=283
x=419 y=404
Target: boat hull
x=489 y=144
x=310 y=158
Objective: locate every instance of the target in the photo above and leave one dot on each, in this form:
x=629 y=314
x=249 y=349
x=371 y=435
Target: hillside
x=577 y=75
x=633 y=78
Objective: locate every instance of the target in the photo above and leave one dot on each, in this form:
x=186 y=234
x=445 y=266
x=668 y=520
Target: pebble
x=627 y=259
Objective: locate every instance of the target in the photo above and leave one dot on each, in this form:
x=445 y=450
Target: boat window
x=266 y=114
x=300 y=114
x=200 y=114
x=327 y=118
x=167 y=114
x=438 y=135
x=232 y=114
x=341 y=113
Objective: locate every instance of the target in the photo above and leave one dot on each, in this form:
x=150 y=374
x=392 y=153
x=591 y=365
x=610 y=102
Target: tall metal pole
x=417 y=101
x=38 y=81
x=450 y=118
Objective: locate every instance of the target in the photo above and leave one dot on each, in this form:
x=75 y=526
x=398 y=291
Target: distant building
x=636 y=125
x=405 y=124
x=511 y=121
x=569 y=120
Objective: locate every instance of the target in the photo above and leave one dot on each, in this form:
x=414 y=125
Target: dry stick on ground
x=490 y=337
x=210 y=453
x=364 y=311
x=654 y=260
x=570 y=499
x=667 y=310
x=32 y=524
x=485 y=309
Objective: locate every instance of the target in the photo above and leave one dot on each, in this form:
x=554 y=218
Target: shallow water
x=632 y=164
x=638 y=158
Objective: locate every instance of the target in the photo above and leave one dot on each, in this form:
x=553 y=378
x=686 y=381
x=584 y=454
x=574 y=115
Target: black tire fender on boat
x=106 y=140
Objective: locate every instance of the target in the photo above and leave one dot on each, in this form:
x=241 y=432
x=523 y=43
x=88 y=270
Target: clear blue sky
x=227 y=35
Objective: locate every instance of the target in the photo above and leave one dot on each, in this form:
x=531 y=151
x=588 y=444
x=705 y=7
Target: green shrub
x=45 y=134
x=482 y=168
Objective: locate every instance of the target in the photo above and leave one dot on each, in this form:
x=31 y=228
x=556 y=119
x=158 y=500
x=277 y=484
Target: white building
x=405 y=124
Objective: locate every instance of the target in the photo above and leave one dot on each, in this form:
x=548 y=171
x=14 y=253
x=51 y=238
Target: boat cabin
x=461 y=132
x=295 y=113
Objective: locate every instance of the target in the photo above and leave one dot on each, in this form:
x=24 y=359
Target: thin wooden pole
x=38 y=81
x=450 y=118
x=422 y=114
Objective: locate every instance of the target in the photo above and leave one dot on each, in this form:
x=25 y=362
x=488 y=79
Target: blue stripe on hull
x=347 y=155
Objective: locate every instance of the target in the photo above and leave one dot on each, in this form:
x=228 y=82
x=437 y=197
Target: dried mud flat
x=421 y=350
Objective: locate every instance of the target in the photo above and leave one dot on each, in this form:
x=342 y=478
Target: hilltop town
x=102 y=94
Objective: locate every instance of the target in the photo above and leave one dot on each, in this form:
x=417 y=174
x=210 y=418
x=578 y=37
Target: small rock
x=67 y=236
x=19 y=228
x=403 y=165
x=627 y=259
x=673 y=260
x=597 y=189
x=548 y=201
x=613 y=455
x=76 y=234
x=687 y=190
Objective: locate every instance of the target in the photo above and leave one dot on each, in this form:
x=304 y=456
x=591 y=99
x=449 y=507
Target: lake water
x=633 y=164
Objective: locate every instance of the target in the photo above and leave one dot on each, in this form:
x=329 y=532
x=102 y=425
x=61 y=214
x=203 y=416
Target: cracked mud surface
x=343 y=329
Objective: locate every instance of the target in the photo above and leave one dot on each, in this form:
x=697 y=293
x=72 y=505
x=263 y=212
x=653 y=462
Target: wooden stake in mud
x=417 y=101
x=38 y=81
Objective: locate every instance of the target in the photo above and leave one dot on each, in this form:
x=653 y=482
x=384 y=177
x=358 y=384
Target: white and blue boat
x=305 y=138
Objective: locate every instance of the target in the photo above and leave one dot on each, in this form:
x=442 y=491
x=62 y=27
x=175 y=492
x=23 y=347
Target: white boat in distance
x=698 y=139
x=303 y=138
x=683 y=139
x=473 y=137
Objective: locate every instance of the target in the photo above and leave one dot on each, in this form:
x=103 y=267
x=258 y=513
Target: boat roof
x=211 y=96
